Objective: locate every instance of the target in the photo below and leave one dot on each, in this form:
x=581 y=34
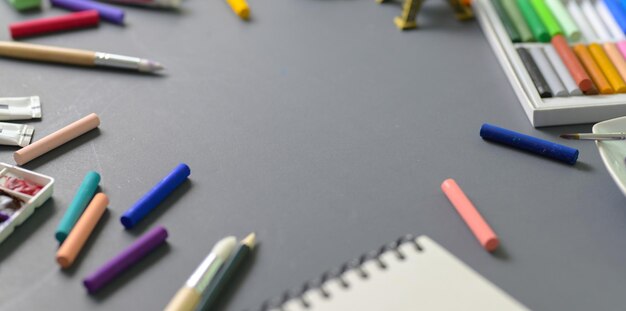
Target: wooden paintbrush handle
x=47 y=53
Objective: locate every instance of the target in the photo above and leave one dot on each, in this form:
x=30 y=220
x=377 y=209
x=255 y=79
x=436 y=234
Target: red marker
x=41 y=26
x=470 y=215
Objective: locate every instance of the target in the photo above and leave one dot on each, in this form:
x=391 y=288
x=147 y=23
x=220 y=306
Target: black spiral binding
x=337 y=274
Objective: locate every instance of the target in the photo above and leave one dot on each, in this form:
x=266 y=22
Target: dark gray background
x=322 y=128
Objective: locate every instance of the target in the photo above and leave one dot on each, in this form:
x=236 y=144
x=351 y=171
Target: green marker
x=518 y=20
x=22 y=5
x=534 y=22
x=83 y=196
x=561 y=14
x=546 y=17
x=506 y=21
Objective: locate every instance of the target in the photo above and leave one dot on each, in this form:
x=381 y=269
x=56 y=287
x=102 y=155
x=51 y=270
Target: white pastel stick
x=581 y=21
x=609 y=21
x=594 y=20
x=558 y=90
x=561 y=71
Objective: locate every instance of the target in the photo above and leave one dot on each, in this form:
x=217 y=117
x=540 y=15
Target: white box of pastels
x=542 y=111
x=21 y=192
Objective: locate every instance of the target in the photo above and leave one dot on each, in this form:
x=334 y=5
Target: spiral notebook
x=407 y=275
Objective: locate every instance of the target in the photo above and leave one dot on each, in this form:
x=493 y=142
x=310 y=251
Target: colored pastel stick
x=596 y=74
x=240 y=7
x=594 y=20
x=54 y=24
x=621 y=46
x=67 y=253
x=84 y=194
x=570 y=29
x=548 y=72
x=143 y=246
x=546 y=17
x=517 y=19
x=107 y=12
x=534 y=22
x=609 y=21
x=562 y=71
x=155 y=196
x=605 y=64
x=616 y=58
x=582 y=22
x=618 y=13
x=506 y=21
x=22 y=5
x=468 y=212
x=534 y=73
x=528 y=143
x=574 y=66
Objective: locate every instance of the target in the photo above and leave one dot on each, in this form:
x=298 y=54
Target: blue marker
x=155 y=196
x=83 y=196
x=532 y=144
x=618 y=13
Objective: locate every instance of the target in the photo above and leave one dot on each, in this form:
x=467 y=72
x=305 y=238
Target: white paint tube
x=20 y=108
x=12 y=134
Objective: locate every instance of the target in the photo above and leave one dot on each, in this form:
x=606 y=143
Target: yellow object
x=605 y=64
x=410 y=8
x=186 y=299
x=240 y=7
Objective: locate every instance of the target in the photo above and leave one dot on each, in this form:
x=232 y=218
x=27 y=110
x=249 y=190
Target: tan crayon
x=56 y=139
x=75 y=241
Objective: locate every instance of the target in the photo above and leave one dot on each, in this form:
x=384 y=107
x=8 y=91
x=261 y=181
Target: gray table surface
x=323 y=129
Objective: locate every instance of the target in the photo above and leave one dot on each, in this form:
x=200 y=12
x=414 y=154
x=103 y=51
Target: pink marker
x=470 y=215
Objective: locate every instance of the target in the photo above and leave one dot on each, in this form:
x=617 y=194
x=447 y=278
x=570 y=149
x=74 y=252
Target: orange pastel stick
x=593 y=70
x=75 y=241
x=607 y=67
x=470 y=215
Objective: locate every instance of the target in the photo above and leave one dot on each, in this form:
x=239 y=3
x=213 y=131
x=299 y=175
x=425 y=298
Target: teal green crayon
x=83 y=196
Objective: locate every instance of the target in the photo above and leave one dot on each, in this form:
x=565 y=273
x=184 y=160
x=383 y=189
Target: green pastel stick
x=547 y=18
x=534 y=22
x=22 y=5
x=569 y=27
x=518 y=20
x=83 y=196
x=506 y=21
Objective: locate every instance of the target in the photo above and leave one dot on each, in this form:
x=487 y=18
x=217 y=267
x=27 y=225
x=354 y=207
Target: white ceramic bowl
x=613 y=153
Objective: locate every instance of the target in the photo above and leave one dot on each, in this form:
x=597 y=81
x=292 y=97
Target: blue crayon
x=155 y=196
x=618 y=13
x=531 y=144
x=83 y=196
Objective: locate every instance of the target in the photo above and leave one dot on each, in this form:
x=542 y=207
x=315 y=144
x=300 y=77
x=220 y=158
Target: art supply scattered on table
x=76 y=57
x=107 y=12
x=16 y=202
x=240 y=7
x=20 y=108
x=595 y=136
x=468 y=212
x=35 y=27
x=56 y=139
x=143 y=246
x=12 y=134
x=188 y=297
x=73 y=244
x=226 y=273
x=407 y=274
x=85 y=193
x=164 y=4
x=23 y=5
x=528 y=143
x=155 y=196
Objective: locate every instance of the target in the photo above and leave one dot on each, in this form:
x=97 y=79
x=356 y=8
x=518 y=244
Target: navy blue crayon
x=531 y=144
x=155 y=196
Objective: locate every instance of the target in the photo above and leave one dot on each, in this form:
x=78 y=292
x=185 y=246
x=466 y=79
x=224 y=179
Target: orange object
x=616 y=57
x=467 y=2
x=75 y=241
x=594 y=71
x=572 y=63
x=605 y=64
x=470 y=215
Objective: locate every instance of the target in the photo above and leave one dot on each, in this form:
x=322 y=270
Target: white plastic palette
x=542 y=111
x=613 y=153
x=30 y=202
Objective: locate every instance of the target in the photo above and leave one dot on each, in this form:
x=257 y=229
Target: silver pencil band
x=118 y=61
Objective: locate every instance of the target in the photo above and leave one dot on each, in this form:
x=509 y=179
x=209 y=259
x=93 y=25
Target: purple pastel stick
x=130 y=256
x=109 y=13
x=4 y=217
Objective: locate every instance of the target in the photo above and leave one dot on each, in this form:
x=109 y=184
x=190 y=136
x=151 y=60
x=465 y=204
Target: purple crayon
x=130 y=256
x=108 y=13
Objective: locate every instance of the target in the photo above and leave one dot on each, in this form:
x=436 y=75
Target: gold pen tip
x=249 y=240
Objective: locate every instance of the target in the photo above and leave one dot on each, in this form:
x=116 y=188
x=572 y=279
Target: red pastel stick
x=470 y=215
x=40 y=26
